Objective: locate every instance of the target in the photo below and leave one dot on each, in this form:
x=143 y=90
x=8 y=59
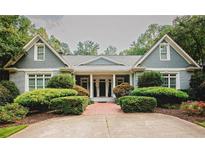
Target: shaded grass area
x=201 y=123
x=7 y=131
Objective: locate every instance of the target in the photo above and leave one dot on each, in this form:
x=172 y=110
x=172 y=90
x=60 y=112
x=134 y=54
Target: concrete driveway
x=113 y=125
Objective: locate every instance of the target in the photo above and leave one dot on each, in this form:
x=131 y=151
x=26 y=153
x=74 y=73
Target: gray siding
x=176 y=61
x=19 y=79
x=51 y=60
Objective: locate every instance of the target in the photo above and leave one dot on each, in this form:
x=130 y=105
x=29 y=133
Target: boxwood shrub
x=162 y=94
x=123 y=89
x=5 y=96
x=11 y=87
x=70 y=105
x=137 y=103
x=11 y=112
x=81 y=91
x=40 y=99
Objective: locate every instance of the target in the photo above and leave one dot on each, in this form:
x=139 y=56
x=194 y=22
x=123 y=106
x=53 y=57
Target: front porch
x=100 y=85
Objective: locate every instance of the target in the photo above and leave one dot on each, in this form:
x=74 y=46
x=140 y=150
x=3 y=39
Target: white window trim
x=177 y=78
x=36 y=51
x=168 y=51
x=33 y=73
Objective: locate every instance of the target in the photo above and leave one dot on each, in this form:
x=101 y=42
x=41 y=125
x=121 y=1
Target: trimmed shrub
x=162 y=94
x=196 y=80
x=137 y=103
x=11 y=112
x=123 y=89
x=150 y=79
x=193 y=108
x=61 y=81
x=40 y=99
x=14 y=91
x=70 y=105
x=81 y=91
x=4 y=95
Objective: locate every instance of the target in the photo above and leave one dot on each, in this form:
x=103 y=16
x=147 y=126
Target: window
x=39 y=54
x=170 y=80
x=164 y=49
x=38 y=81
x=119 y=80
x=84 y=83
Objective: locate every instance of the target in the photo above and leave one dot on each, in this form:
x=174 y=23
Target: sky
x=118 y=31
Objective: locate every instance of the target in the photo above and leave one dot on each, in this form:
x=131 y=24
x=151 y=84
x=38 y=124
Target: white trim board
x=174 y=45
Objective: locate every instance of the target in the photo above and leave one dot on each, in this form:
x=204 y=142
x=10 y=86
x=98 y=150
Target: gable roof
x=29 y=45
x=174 y=45
x=75 y=60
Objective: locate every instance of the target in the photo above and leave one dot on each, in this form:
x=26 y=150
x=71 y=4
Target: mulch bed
x=33 y=118
x=180 y=114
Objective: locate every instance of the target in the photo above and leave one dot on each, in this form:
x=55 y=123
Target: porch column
x=97 y=87
x=130 y=79
x=74 y=79
x=113 y=84
x=134 y=79
x=91 y=86
x=106 y=86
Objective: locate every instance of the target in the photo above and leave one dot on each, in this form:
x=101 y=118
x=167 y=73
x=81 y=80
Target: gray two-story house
x=100 y=74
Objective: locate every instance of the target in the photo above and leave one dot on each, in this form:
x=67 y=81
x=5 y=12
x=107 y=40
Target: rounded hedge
x=150 y=79
x=163 y=95
x=61 y=81
x=70 y=105
x=5 y=96
x=137 y=103
x=11 y=112
x=81 y=91
x=14 y=91
x=123 y=89
x=40 y=99
x=201 y=91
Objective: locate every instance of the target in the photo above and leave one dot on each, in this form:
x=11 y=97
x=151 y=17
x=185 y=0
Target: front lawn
x=8 y=131
x=201 y=123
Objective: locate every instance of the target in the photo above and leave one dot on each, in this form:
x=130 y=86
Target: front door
x=102 y=87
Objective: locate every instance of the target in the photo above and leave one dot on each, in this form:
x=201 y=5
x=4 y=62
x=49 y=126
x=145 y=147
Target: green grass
x=201 y=123
x=7 y=131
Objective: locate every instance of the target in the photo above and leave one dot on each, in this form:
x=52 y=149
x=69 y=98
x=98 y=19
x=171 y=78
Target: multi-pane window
x=119 y=80
x=40 y=52
x=38 y=81
x=164 y=51
x=84 y=83
x=169 y=80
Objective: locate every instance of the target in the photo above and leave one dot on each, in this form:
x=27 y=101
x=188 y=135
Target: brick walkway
x=103 y=109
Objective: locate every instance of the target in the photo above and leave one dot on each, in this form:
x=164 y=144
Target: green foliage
x=137 y=103
x=196 y=80
x=11 y=112
x=40 y=99
x=61 y=81
x=150 y=79
x=193 y=108
x=162 y=94
x=123 y=89
x=4 y=95
x=81 y=91
x=8 y=131
x=70 y=105
x=11 y=87
x=202 y=91
x=110 y=50
x=87 y=48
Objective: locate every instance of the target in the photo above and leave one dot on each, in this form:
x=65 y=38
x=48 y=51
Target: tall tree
x=87 y=48
x=15 y=32
x=42 y=32
x=65 y=48
x=189 y=32
x=110 y=50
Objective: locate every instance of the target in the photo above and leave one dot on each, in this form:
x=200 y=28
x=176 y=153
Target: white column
x=113 y=83
x=134 y=79
x=91 y=86
x=106 y=86
x=130 y=79
x=74 y=79
x=97 y=88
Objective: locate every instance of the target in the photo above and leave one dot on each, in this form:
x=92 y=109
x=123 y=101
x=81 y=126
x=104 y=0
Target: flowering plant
x=193 y=107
